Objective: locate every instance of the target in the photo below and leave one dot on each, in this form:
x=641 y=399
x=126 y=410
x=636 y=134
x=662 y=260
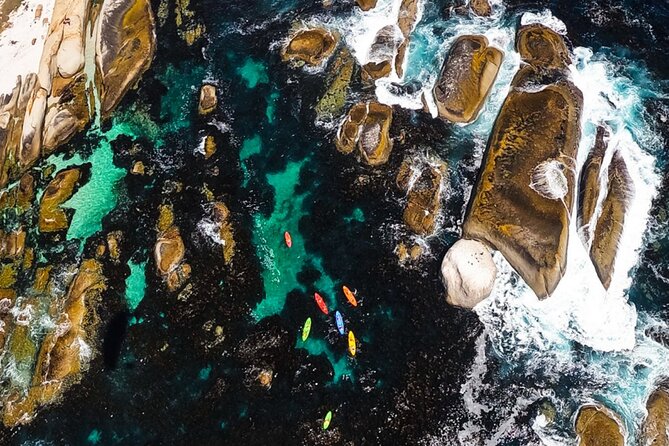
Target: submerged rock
x=522 y=202
x=311 y=46
x=208 y=99
x=654 y=428
x=468 y=273
x=597 y=426
x=589 y=185
x=611 y=220
x=422 y=181
x=52 y=217
x=367 y=127
x=466 y=78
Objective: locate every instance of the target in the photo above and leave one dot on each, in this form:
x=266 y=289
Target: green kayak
x=306 y=329
x=326 y=421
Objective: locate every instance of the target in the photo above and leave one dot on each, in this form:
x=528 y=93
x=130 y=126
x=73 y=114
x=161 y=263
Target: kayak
x=350 y=296
x=321 y=303
x=340 y=322
x=351 y=343
x=327 y=419
x=288 y=239
x=306 y=329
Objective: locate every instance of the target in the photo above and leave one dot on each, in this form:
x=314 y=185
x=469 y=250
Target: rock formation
x=611 y=220
x=466 y=78
x=225 y=233
x=367 y=127
x=382 y=53
x=597 y=426
x=654 y=428
x=170 y=250
x=79 y=78
x=52 y=217
x=208 y=100
x=480 y=7
x=310 y=45
x=589 y=185
x=366 y=5
x=468 y=272
x=524 y=195
x=422 y=181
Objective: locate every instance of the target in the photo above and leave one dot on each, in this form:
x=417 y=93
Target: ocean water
x=182 y=367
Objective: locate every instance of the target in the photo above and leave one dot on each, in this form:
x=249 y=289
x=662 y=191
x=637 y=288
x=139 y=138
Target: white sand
x=18 y=54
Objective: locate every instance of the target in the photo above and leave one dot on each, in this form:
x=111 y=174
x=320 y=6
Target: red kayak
x=288 y=239
x=321 y=303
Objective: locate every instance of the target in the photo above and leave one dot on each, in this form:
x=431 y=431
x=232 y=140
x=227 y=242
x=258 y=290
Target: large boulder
x=422 y=181
x=611 y=220
x=169 y=251
x=481 y=8
x=367 y=127
x=468 y=273
x=406 y=22
x=654 y=428
x=598 y=426
x=466 y=78
x=311 y=46
x=208 y=99
x=523 y=199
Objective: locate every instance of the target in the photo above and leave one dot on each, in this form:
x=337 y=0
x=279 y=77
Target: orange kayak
x=350 y=296
x=321 y=303
x=351 y=343
x=288 y=239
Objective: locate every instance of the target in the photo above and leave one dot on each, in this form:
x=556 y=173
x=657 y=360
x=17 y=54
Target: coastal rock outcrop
x=66 y=347
x=79 y=78
x=339 y=77
x=225 y=232
x=52 y=217
x=654 y=428
x=423 y=181
x=382 y=53
x=468 y=273
x=598 y=426
x=524 y=195
x=367 y=127
x=310 y=45
x=208 y=99
x=610 y=223
x=466 y=78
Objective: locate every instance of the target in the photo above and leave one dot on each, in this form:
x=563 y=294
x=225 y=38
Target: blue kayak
x=340 y=322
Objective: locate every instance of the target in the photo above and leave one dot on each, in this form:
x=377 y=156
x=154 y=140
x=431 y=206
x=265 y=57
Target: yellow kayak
x=306 y=329
x=351 y=343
